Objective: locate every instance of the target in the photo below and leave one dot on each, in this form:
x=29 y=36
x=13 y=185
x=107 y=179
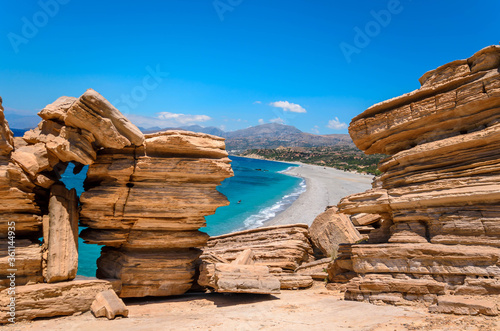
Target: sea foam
x=264 y=215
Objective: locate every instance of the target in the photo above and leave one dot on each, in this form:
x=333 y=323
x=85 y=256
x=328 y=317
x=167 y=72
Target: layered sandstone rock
x=29 y=174
x=49 y=300
x=146 y=197
x=146 y=204
x=439 y=192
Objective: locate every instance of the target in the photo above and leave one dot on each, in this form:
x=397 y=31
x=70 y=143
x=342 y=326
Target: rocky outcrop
x=30 y=190
x=330 y=229
x=50 y=300
x=439 y=191
x=146 y=204
x=146 y=198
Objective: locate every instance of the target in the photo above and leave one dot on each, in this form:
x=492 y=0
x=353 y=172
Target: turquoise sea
x=257 y=192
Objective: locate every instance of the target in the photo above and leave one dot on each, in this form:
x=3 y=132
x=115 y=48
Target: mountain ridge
x=270 y=135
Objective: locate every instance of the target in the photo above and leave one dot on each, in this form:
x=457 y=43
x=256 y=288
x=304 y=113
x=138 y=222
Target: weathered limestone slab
x=62 y=240
x=284 y=246
x=294 y=281
x=108 y=304
x=50 y=300
x=463 y=305
x=239 y=276
x=330 y=229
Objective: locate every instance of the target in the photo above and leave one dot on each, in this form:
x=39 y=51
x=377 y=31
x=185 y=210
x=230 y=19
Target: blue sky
x=233 y=63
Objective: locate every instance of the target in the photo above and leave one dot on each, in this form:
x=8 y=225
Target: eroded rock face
x=146 y=205
x=439 y=190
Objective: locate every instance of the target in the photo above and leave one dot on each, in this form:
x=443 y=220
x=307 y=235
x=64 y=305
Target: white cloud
x=335 y=124
x=182 y=118
x=261 y=121
x=315 y=129
x=166 y=120
x=277 y=120
x=257 y=102
x=288 y=106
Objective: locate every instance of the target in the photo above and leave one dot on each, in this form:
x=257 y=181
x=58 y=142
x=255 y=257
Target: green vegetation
x=340 y=157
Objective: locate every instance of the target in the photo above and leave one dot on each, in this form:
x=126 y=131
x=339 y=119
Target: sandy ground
x=312 y=309
x=325 y=187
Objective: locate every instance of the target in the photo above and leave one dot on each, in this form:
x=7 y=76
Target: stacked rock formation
x=439 y=192
x=146 y=204
x=146 y=199
x=280 y=248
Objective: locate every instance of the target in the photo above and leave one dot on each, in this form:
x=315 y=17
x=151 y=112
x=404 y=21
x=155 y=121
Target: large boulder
x=331 y=228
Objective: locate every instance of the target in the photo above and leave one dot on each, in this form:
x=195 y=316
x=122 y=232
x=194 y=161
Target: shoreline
x=325 y=187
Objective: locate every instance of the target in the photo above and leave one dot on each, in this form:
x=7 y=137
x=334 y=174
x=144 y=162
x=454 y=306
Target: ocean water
x=257 y=192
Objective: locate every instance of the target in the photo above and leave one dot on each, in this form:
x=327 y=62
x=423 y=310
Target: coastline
x=324 y=187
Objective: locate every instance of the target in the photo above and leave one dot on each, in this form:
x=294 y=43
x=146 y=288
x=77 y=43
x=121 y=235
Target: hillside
x=341 y=157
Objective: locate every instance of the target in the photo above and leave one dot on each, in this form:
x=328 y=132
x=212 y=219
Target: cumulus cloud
x=335 y=124
x=261 y=121
x=288 y=106
x=257 y=102
x=315 y=129
x=278 y=120
x=166 y=120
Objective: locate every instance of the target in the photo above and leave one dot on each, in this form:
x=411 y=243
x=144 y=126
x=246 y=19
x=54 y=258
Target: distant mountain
x=24 y=122
x=271 y=135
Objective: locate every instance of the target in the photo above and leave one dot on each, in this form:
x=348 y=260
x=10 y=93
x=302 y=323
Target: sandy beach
x=325 y=187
